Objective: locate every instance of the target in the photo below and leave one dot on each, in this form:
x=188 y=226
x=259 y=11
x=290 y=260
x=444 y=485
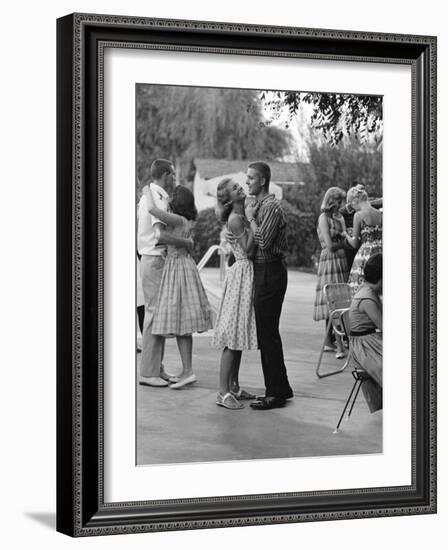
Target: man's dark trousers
x=271 y=280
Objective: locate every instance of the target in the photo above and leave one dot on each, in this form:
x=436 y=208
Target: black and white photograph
x=246 y=275
x=259 y=269
x=174 y=134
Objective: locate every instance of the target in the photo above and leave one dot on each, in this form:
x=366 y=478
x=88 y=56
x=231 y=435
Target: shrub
x=301 y=236
x=205 y=234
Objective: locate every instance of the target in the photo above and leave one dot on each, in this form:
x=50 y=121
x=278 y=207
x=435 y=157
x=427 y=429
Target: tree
x=181 y=123
x=206 y=232
x=342 y=165
x=335 y=115
x=301 y=236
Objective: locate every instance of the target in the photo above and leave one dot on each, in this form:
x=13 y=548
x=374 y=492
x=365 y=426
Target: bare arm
x=250 y=211
x=166 y=237
x=165 y=217
x=354 y=240
x=325 y=231
x=237 y=227
x=373 y=311
x=377 y=203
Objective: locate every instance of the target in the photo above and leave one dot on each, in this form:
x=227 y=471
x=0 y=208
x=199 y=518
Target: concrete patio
x=179 y=426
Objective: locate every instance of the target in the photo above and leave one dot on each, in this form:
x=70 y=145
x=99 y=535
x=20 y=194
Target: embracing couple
x=175 y=300
x=254 y=290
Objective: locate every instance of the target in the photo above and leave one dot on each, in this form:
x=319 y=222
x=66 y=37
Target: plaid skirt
x=332 y=268
x=182 y=305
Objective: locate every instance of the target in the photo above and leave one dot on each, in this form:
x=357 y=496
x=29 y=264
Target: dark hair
x=224 y=206
x=264 y=170
x=182 y=203
x=373 y=270
x=160 y=167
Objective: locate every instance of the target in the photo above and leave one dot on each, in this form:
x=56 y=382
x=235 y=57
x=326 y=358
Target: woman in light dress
x=182 y=306
x=332 y=267
x=366 y=325
x=367 y=233
x=235 y=329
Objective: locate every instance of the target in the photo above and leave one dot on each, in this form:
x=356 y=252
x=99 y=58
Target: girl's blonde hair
x=224 y=204
x=356 y=193
x=332 y=199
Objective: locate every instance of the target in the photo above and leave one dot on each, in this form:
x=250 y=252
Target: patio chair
x=339 y=297
x=358 y=373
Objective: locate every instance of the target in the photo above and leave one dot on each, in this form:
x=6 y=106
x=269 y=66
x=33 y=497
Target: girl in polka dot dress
x=235 y=328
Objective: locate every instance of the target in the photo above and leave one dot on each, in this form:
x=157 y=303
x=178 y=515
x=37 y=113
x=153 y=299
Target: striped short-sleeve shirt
x=270 y=236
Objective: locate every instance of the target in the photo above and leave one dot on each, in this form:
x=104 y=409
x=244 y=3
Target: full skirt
x=182 y=306
x=235 y=324
x=367 y=352
x=332 y=268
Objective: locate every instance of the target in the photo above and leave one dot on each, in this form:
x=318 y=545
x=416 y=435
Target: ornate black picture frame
x=81 y=509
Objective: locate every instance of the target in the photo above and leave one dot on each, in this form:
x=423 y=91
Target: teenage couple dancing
x=254 y=289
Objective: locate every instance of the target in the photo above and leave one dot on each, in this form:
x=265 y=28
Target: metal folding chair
x=358 y=373
x=339 y=297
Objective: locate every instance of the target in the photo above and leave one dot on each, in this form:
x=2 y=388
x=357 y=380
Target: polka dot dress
x=235 y=324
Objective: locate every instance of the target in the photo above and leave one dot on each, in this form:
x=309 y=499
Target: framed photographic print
x=246 y=274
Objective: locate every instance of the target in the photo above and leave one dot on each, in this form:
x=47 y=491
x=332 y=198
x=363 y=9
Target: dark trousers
x=141 y=317
x=271 y=280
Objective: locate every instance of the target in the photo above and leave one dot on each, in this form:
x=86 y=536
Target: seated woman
x=366 y=324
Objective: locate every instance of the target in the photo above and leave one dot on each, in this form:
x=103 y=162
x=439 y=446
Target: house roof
x=281 y=172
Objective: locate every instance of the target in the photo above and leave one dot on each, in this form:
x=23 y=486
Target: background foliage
x=341 y=134
x=206 y=232
x=180 y=123
x=343 y=165
x=303 y=224
x=335 y=115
